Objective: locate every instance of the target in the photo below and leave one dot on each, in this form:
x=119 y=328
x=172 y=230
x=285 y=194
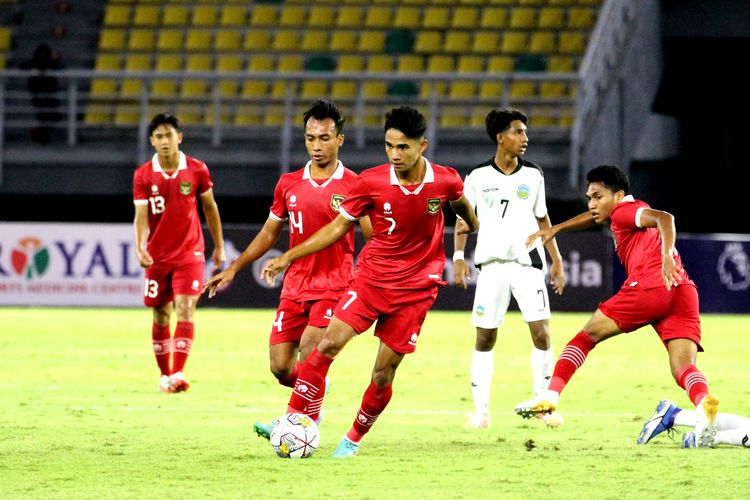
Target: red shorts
x=399 y=313
x=292 y=318
x=673 y=313
x=164 y=282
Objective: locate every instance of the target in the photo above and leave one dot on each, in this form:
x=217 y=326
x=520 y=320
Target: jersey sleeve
x=357 y=202
x=205 y=183
x=540 y=206
x=140 y=188
x=278 y=207
x=624 y=215
x=455 y=186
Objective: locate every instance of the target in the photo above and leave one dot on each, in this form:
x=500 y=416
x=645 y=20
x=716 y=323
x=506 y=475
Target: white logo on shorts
x=413 y=340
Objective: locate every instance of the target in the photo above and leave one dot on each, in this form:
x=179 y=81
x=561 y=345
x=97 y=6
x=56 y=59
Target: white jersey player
x=508 y=196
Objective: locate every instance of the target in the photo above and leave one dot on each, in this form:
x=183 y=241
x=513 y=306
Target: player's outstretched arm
x=556 y=271
x=213 y=219
x=582 y=221
x=664 y=223
x=323 y=238
x=263 y=241
x=140 y=232
x=461 y=273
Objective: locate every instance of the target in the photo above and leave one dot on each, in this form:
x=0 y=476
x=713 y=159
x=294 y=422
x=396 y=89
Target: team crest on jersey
x=336 y=200
x=433 y=205
x=186 y=187
x=523 y=191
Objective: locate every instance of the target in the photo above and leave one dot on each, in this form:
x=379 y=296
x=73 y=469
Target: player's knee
x=383 y=377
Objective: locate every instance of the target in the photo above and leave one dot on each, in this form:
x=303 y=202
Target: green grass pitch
x=81 y=415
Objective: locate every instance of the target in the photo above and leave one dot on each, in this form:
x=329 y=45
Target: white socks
x=724 y=421
x=482 y=368
x=542 y=363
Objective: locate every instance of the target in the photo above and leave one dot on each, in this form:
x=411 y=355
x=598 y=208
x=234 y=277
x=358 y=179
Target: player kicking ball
x=657 y=292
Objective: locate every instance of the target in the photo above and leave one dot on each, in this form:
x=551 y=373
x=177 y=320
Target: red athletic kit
x=312 y=284
x=175 y=239
x=643 y=298
x=400 y=268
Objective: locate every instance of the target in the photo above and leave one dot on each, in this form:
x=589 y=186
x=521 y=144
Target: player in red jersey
x=169 y=243
x=657 y=292
x=308 y=198
x=398 y=273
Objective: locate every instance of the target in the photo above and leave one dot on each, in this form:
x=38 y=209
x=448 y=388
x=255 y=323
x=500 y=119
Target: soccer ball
x=295 y=436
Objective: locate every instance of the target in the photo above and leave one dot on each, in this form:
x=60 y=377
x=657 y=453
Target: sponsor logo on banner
x=734 y=267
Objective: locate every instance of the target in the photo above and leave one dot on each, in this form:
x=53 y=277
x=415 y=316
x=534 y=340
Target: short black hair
x=406 y=119
x=322 y=109
x=163 y=119
x=498 y=120
x=612 y=177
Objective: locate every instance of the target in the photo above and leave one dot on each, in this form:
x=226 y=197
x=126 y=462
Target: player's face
x=403 y=152
x=514 y=139
x=166 y=140
x=602 y=200
x=322 y=141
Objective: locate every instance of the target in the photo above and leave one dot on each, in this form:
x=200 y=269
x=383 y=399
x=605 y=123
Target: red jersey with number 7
x=309 y=204
x=175 y=236
x=406 y=250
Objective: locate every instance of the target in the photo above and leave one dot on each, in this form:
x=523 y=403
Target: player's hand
x=462 y=227
x=273 y=268
x=557 y=277
x=545 y=234
x=461 y=273
x=670 y=273
x=218 y=257
x=144 y=258
x=219 y=281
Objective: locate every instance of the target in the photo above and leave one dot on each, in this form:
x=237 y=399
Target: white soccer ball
x=295 y=436
x=553 y=419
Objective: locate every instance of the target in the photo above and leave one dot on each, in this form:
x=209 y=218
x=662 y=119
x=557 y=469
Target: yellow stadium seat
x=225 y=115
x=127 y=114
x=522 y=88
x=227 y=40
x=204 y=15
x=491 y=90
x=379 y=64
x=261 y=62
x=371 y=41
x=198 y=40
x=494 y=18
x=292 y=16
x=561 y=64
x=314 y=41
x=470 y=64
x=407 y=17
x=543 y=42
x=135 y=62
x=428 y=42
x=98 y=114
x=594 y=3
x=196 y=87
x=502 y=2
x=171 y=40
x=321 y=16
x=141 y=39
x=551 y=18
x=104 y=87
x=146 y=15
x=175 y=15
x=254 y=88
x=105 y=62
x=257 y=41
x=572 y=42
x=462 y=89
x=248 y=115
x=485 y=42
x=440 y=64
x=457 y=42
x=228 y=62
x=580 y=18
x=344 y=89
x=453 y=116
x=312 y=89
x=477 y=119
x=500 y=64
x=350 y=64
x=190 y=114
x=515 y=42
x=263 y=15
x=378 y=17
x=290 y=63
x=552 y=89
x=436 y=18
x=562 y=2
x=112 y=39
x=535 y=3
x=233 y=15
x=343 y=40
x=166 y=87
x=522 y=18
x=116 y=15
x=286 y=40
x=349 y=17
x=274 y=115
x=410 y=64
x=465 y=18
x=375 y=90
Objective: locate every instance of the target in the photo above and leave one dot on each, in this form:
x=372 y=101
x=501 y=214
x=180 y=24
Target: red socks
x=373 y=403
x=570 y=360
x=309 y=389
x=694 y=382
x=291 y=378
x=183 y=342
x=161 y=340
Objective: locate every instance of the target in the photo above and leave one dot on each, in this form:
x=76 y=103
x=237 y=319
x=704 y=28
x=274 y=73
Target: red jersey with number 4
x=310 y=204
x=406 y=249
x=175 y=235
x=639 y=248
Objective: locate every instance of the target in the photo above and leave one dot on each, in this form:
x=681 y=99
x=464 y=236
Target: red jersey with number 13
x=406 y=250
x=175 y=236
x=639 y=248
x=310 y=204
